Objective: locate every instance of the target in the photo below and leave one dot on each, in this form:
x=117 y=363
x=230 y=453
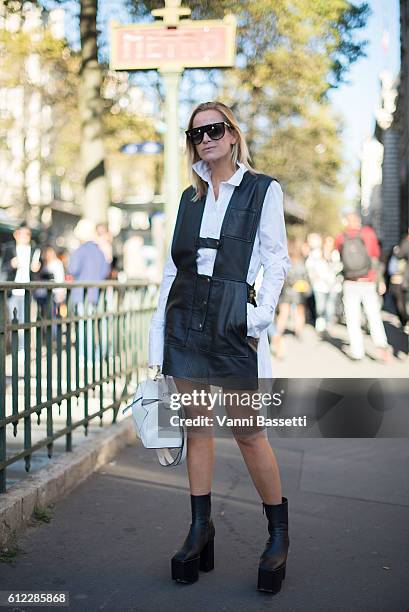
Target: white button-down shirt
x=269 y=252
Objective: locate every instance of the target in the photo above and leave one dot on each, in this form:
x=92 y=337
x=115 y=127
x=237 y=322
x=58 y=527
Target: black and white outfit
x=206 y=311
x=205 y=316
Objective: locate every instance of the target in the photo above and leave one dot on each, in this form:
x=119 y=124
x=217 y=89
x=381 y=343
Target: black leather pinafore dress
x=206 y=316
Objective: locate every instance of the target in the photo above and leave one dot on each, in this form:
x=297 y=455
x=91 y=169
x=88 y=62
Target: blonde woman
x=207 y=327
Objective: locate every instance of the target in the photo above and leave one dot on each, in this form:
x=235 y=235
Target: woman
x=295 y=293
x=207 y=329
x=333 y=258
x=322 y=265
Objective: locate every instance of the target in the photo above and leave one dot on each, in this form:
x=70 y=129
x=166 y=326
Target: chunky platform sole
x=270 y=581
x=188 y=571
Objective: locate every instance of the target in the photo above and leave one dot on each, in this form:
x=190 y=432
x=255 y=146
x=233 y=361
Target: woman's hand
x=258 y=319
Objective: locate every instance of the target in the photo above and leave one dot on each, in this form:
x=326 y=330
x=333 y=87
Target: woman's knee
x=251 y=441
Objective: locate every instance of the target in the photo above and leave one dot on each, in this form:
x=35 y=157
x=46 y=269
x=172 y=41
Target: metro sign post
x=169 y=46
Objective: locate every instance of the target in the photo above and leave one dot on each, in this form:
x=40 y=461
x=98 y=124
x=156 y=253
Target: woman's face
x=213 y=150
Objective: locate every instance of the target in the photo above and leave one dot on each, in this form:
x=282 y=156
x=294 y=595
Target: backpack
x=355 y=259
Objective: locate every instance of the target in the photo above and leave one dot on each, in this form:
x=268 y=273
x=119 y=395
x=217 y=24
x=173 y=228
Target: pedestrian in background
x=55 y=269
x=318 y=272
x=322 y=272
x=104 y=240
x=332 y=256
x=134 y=261
x=363 y=284
x=52 y=270
x=63 y=255
x=21 y=261
x=401 y=253
x=292 y=301
x=87 y=264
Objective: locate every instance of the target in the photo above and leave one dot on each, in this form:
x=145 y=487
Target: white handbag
x=151 y=412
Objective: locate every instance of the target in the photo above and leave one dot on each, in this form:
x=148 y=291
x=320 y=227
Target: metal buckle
x=208 y=243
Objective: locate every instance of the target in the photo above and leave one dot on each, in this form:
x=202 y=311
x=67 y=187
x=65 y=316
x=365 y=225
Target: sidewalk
x=315 y=357
x=109 y=543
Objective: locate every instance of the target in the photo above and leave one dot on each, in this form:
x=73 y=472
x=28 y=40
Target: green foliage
x=42 y=514
x=11 y=551
x=290 y=53
x=56 y=83
x=61 y=93
x=58 y=93
x=123 y=127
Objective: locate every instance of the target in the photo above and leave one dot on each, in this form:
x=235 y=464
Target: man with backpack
x=363 y=283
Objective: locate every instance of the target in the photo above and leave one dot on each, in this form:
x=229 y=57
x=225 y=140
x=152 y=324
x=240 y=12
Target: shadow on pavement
x=396 y=338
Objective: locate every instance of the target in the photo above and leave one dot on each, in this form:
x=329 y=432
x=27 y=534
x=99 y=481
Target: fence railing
x=75 y=348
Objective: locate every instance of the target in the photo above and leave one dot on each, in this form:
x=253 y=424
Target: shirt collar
x=201 y=168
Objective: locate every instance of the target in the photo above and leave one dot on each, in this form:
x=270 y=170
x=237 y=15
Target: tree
x=37 y=82
x=290 y=53
x=95 y=195
x=108 y=110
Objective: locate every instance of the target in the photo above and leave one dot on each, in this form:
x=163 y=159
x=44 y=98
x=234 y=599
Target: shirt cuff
x=258 y=318
x=156 y=342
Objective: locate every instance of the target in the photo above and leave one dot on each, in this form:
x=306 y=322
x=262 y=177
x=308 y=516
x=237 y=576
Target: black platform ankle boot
x=197 y=551
x=271 y=571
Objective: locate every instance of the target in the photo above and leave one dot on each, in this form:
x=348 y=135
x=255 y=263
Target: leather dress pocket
x=226 y=322
x=240 y=224
x=178 y=310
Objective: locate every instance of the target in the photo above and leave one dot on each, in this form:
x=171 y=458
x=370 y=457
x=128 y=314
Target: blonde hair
x=239 y=150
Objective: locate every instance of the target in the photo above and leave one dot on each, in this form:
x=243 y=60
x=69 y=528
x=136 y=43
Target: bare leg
x=299 y=319
x=262 y=466
x=282 y=319
x=255 y=448
x=200 y=444
x=200 y=463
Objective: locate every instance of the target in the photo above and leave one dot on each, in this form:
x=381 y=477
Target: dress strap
x=208 y=243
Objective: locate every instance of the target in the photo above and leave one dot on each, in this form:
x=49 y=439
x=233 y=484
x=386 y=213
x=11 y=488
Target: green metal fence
x=78 y=348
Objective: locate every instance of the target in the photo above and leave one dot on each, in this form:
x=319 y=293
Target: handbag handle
x=164 y=455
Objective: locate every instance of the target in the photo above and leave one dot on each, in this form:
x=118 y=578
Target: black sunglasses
x=215 y=131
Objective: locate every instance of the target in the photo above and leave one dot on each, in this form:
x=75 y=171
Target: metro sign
x=193 y=44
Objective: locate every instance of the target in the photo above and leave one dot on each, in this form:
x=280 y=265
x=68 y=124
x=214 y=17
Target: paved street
x=130 y=219
x=109 y=543
x=315 y=357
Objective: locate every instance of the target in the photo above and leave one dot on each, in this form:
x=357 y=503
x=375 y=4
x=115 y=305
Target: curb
x=60 y=477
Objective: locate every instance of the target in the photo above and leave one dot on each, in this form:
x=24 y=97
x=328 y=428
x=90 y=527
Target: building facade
x=402 y=116
x=380 y=186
